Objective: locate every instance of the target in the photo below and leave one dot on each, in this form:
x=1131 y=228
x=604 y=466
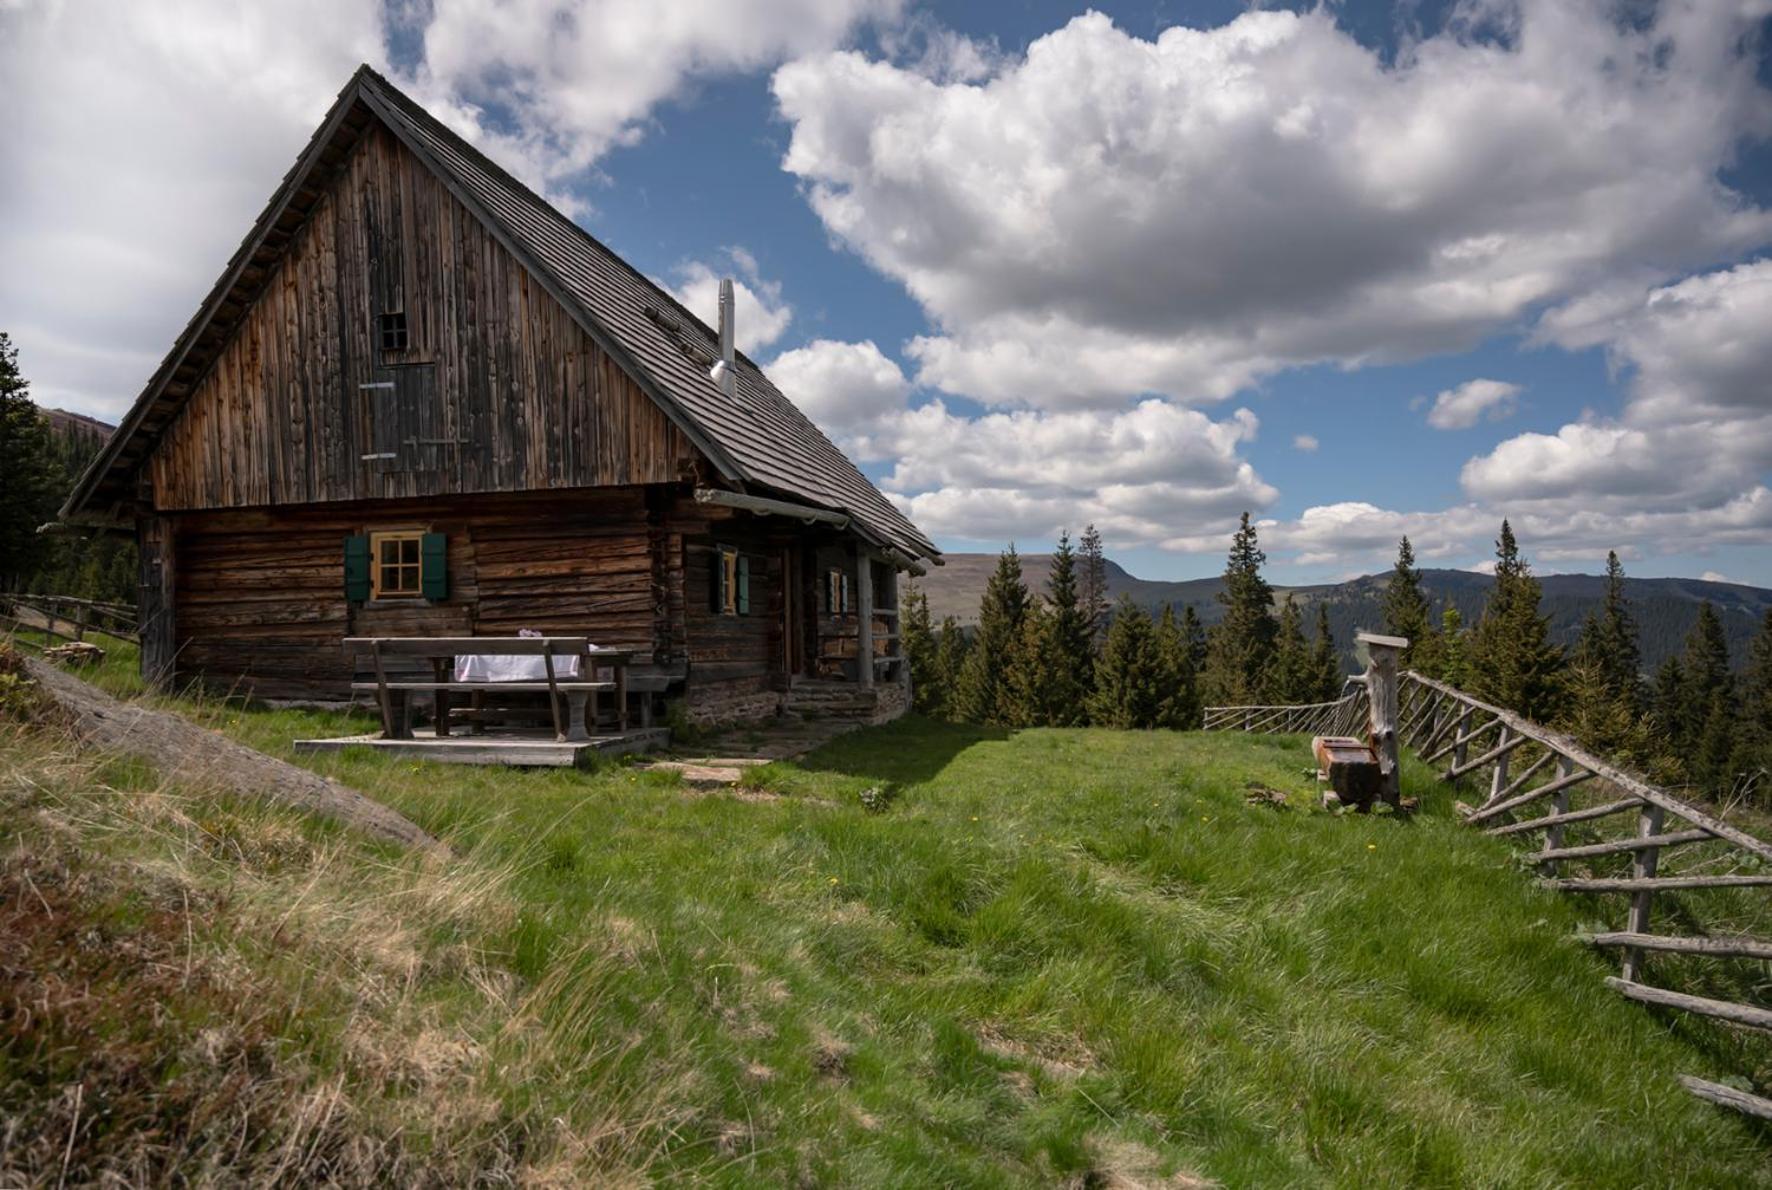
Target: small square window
x=397 y=571
x=393 y=331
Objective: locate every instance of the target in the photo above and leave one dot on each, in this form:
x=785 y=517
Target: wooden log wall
x=730 y=656
x=525 y=399
x=260 y=593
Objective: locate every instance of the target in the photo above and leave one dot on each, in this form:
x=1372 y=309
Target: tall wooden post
x=1553 y=835
x=1648 y=825
x=1381 y=698
x=864 y=628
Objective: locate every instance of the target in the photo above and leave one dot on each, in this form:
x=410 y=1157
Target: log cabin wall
x=503 y=390
x=735 y=666
x=260 y=599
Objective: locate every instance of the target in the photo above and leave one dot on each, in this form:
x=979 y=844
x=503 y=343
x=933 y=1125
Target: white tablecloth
x=509 y=668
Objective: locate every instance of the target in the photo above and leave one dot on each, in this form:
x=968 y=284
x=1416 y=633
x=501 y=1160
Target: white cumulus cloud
x=1110 y=216
x=1463 y=407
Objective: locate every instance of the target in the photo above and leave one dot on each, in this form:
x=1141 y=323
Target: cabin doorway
x=796 y=608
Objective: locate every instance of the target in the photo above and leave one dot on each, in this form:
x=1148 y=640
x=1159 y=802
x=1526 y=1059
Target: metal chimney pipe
x=726 y=371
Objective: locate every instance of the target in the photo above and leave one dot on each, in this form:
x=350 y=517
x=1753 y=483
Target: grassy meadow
x=924 y=955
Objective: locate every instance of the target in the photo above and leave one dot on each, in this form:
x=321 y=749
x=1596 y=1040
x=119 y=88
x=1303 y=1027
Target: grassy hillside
x=1666 y=608
x=926 y=955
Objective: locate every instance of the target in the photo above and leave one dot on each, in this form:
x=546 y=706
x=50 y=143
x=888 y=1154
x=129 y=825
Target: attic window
x=393 y=331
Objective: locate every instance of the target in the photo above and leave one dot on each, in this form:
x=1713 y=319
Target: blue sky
x=1609 y=179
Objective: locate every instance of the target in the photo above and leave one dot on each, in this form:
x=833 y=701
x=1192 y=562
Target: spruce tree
x=1036 y=690
x=1127 y=674
x=30 y=478
x=1092 y=586
x=1452 y=646
x=1705 y=705
x=1178 y=706
x=1240 y=647
x=918 y=640
x=1290 y=677
x=1074 y=638
x=1753 y=750
x=1325 y=661
x=1609 y=640
x=1513 y=662
x=1193 y=634
x=951 y=648
x=979 y=696
x=1406 y=605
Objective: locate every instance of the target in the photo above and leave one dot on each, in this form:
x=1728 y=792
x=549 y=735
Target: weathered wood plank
x=1725 y=1010
x=1732 y=948
x=1552 y=820
x=1636 y=884
x=1554 y=785
x=1617 y=846
x=1723 y=1096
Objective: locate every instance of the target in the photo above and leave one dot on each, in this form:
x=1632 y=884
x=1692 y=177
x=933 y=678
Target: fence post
x=1498 y=781
x=1381 y=692
x=1553 y=835
x=1461 y=745
x=1643 y=868
x=80 y=622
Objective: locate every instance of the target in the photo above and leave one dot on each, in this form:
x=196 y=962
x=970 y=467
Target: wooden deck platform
x=515 y=748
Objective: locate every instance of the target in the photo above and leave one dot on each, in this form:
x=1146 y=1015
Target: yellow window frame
x=396 y=564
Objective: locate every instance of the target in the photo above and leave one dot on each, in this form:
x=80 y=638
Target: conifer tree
x=29 y=476
x=1667 y=705
x=1092 y=597
x=1036 y=686
x=1127 y=673
x=1609 y=640
x=1406 y=605
x=927 y=694
x=1073 y=677
x=951 y=648
x=1325 y=661
x=1193 y=635
x=1753 y=750
x=1513 y=662
x=979 y=696
x=1240 y=647
x=1178 y=673
x=1290 y=677
x=1705 y=705
x=1452 y=650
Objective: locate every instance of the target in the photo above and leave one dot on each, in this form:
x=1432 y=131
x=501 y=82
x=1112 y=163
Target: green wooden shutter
x=717 y=582
x=357 y=569
x=433 y=556
x=744 y=585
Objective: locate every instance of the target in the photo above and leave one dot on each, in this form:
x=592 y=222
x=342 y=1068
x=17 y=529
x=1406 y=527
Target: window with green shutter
x=434 y=565
x=743 y=602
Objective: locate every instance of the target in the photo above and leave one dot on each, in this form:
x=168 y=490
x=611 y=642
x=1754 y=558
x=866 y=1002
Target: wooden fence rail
x=1519 y=764
x=67 y=616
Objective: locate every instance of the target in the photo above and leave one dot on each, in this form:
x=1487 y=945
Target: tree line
x=1695 y=722
x=40 y=465
x=1062 y=657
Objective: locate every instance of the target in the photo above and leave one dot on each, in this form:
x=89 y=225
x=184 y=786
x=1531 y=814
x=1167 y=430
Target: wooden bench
x=571 y=701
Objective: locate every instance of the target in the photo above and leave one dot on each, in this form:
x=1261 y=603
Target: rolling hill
x=1665 y=607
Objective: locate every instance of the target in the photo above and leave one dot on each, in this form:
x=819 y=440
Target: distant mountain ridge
x=1666 y=608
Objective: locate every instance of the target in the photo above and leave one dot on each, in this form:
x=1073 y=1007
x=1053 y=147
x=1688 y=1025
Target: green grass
x=1043 y=956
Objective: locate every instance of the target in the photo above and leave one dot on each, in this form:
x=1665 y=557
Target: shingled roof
x=761 y=443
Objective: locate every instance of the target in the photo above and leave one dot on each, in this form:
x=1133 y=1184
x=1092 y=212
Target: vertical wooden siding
x=528 y=398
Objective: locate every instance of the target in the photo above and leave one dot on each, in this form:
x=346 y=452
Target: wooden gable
x=494 y=385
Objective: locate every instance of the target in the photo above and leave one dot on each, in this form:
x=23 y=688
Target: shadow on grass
x=908 y=751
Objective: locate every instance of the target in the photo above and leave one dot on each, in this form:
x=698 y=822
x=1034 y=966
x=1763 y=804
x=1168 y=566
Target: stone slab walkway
x=723 y=759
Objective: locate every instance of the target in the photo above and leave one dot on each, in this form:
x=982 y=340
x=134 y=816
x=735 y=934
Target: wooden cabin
x=422 y=402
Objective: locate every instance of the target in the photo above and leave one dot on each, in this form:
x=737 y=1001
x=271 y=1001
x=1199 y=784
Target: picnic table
x=572 y=698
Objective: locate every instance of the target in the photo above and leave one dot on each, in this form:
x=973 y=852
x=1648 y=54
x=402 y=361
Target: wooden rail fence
x=68 y=617
x=1536 y=781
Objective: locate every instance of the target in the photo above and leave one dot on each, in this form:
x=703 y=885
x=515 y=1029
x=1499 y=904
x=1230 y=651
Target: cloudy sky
x=1365 y=268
